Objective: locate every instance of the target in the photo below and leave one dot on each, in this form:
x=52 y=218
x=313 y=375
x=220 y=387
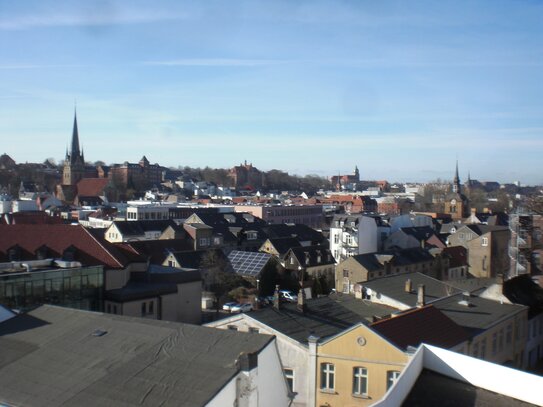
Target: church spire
x=456 y=181
x=75 y=140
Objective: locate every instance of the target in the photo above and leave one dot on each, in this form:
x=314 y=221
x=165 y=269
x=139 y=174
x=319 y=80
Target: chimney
x=301 y=301
x=499 y=281
x=408 y=285
x=420 y=296
x=276 y=297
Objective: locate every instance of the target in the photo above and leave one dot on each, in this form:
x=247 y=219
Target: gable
x=361 y=342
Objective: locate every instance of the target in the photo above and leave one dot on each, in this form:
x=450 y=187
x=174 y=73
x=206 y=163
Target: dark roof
x=394 y=287
x=283 y=244
x=370 y=261
x=139 y=227
x=137 y=290
x=421 y=233
x=157 y=250
x=324 y=317
x=481 y=229
x=474 y=313
x=433 y=389
x=421 y=325
x=302 y=232
x=57 y=356
x=312 y=253
x=231 y=219
x=195 y=259
x=397 y=257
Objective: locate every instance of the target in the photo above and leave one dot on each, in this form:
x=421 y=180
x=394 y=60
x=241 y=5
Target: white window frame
x=484 y=241
x=360 y=381
x=328 y=372
x=289 y=375
x=392 y=377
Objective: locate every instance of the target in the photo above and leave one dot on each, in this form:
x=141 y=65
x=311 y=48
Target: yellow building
x=355 y=367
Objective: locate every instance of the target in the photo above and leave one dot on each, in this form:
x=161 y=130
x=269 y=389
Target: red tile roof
x=421 y=325
x=91 y=186
x=90 y=250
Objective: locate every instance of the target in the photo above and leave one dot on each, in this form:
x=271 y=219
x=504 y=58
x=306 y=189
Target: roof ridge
x=102 y=246
x=406 y=312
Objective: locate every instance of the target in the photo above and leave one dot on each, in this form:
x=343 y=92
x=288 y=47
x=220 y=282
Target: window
x=475 y=352
x=151 y=307
x=500 y=340
x=254 y=330
x=289 y=375
x=143 y=308
x=327 y=376
x=360 y=381
x=336 y=239
x=509 y=334
x=232 y=327
x=484 y=241
x=345 y=273
x=494 y=343
x=203 y=241
x=392 y=377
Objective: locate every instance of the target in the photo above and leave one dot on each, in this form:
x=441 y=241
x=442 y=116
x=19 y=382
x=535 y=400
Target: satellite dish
x=368 y=291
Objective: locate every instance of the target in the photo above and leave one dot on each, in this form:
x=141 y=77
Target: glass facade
x=80 y=288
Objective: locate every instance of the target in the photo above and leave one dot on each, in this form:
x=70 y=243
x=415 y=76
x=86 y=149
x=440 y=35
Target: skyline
x=400 y=90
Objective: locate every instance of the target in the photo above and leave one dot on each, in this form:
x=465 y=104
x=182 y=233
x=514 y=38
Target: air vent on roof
x=99 y=332
x=465 y=301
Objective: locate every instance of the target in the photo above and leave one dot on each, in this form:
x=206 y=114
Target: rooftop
x=57 y=356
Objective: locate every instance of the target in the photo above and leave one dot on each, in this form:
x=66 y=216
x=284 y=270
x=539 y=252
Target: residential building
x=297 y=329
x=366 y=267
x=498 y=330
x=309 y=215
x=314 y=263
x=356 y=234
x=61 y=356
x=129 y=231
x=487 y=248
x=160 y=292
x=139 y=176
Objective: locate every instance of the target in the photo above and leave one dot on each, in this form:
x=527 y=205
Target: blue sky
x=400 y=89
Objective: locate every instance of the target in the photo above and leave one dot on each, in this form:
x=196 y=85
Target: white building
x=356 y=234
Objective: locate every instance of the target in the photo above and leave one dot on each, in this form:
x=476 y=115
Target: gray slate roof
x=394 y=287
x=50 y=357
x=480 y=315
x=324 y=317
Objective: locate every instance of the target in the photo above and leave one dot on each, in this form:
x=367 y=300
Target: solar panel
x=248 y=263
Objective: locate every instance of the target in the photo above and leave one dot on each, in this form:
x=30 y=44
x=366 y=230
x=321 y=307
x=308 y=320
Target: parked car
x=229 y=305
x=288 y=295
x=242 y=307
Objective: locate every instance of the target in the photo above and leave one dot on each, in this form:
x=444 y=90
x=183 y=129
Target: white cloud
x=102 y=17
x=216 y=62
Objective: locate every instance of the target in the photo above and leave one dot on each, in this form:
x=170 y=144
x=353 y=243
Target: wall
x=347 y=351
x=293 y=355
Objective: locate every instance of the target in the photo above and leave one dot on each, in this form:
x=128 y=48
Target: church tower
x=456 y=182
x=74 y=163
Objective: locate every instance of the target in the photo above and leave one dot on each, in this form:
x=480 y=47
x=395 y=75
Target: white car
x=229 y=305
x=242 y=307
x=288 y=295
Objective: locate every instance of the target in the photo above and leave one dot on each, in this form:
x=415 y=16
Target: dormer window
x=14 y=253
x=42 y=252
x=251 y=235
x=69 y=254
